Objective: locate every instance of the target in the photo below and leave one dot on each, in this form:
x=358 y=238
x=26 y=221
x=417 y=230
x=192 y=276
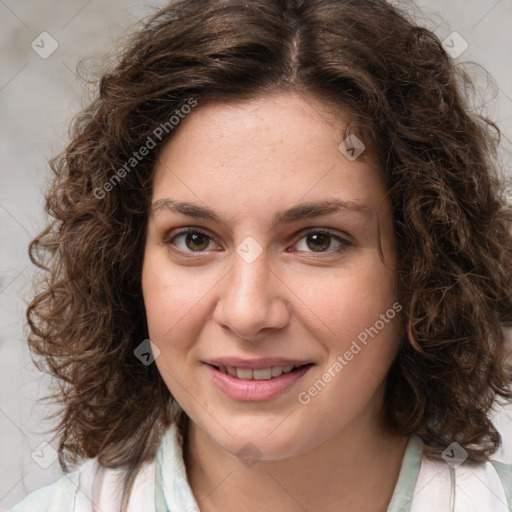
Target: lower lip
x=254 y=390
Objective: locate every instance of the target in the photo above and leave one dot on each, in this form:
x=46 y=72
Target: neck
x=356 y=469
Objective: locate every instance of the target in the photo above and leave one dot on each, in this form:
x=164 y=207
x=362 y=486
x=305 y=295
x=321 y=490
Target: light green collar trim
x=401 y=501
x=505 y=473
x=172 y=491
x=160 y=504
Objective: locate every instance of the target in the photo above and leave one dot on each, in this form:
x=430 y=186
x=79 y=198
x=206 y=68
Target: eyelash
x=324 y=231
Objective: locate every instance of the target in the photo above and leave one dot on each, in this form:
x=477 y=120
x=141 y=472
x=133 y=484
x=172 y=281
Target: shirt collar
x=173 y=491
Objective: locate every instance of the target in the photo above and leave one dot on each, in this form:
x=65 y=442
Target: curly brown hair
x=405 y=97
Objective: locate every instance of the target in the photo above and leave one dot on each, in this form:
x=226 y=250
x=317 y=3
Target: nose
x=252 y=300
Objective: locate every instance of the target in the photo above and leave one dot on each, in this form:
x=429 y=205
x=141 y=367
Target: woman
x=280 y=260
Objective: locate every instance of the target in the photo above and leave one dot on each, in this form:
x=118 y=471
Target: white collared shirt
x=424 y=485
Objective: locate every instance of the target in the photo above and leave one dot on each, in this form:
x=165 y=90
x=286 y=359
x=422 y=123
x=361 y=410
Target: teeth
x=260 y=374
x=276 y=371
x=263 y=374
x=244 y=373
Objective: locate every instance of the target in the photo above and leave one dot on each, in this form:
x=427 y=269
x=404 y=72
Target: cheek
x=170 y=300
x=356 y=316
x=350 y=300
x=171 y=296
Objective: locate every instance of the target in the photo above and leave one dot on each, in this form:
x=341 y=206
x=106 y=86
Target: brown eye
x=197 y=241
x=194 y=240
x=320 y=241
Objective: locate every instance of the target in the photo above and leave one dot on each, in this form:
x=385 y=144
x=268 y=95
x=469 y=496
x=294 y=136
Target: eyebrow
x=297 y=212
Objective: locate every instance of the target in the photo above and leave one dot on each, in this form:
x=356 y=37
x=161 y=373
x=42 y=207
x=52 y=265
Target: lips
x=255 y=389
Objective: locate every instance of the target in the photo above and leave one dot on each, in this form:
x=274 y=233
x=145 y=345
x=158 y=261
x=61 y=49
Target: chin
x=261 y=441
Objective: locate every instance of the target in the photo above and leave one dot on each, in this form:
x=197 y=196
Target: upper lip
x=256 y=364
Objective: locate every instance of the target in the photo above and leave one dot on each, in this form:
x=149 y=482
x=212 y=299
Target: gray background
x=38 y=97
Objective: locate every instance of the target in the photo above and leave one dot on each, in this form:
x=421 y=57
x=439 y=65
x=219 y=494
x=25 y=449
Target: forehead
x=268 y=150
x=274 y=124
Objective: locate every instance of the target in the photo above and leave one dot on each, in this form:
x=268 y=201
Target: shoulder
x=57 y=496
x=90 y=487
x=469 y=486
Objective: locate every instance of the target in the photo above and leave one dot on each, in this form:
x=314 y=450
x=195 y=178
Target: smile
x=245 y=384
x=256 y=374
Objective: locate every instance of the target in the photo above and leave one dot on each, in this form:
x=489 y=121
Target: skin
x=246 y=160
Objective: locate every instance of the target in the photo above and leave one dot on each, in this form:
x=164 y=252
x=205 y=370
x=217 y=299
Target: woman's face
x=263 y=280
